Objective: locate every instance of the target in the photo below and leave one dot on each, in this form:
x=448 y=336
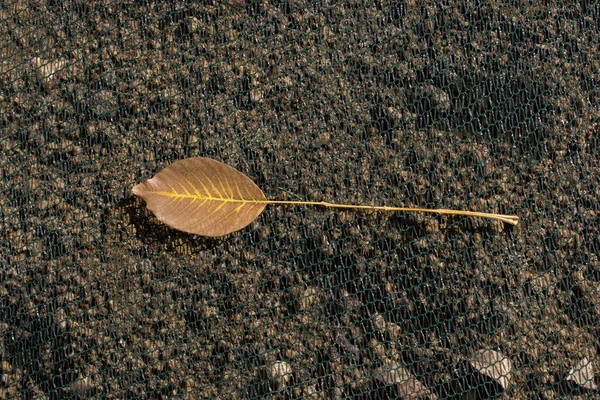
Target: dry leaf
x=209 y=198
x=583 y=374
x=493 y=365
x=202 y=196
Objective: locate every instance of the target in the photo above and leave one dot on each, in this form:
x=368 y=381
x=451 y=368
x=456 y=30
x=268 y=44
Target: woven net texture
x=489 y=106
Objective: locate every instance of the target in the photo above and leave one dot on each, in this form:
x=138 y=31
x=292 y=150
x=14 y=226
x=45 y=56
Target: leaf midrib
x=206 y=198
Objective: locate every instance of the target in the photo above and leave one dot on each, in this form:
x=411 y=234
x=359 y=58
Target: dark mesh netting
x=488 y=106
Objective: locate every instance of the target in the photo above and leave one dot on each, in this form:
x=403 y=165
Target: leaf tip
x=138 y=190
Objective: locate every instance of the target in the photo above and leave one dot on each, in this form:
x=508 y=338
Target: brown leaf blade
x=202 y=196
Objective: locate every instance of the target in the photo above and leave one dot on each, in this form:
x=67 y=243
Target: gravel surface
x=484 y=106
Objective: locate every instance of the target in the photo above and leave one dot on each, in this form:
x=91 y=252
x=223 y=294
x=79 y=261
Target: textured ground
x=474 y=105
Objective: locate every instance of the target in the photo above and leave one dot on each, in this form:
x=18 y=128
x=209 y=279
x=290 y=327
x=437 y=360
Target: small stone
x=5 y=366
x=60 y=318
x=583 y=374
x=46 y=70
x=280 y=374
x=495 y=365
x=32 y=184
x=80 y=385
x=256 y=95
x=379 y=322
x=194 y=24
x=392 y=373
x=308 y=299
x=104 y=103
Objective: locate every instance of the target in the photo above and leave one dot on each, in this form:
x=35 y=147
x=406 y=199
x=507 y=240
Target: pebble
x=280 y=374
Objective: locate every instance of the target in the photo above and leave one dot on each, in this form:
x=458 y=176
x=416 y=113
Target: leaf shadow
x=155 y=234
